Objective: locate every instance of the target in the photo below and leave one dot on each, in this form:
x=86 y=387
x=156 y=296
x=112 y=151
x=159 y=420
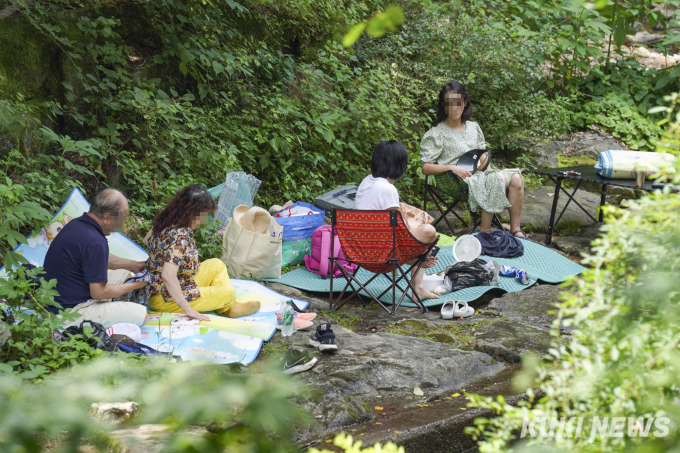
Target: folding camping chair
x=450 y=185
x=379 y=242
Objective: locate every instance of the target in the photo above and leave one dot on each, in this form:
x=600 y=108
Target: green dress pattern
x=443 y=145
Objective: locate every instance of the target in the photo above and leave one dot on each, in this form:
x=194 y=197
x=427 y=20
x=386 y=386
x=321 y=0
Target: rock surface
x=644 y=38
x=525 y=324
x=366 y=365
x=588 y=143
x=546 y=153
x=538 y=204
x=572 y=245
x=119 y=412
x=591 y=144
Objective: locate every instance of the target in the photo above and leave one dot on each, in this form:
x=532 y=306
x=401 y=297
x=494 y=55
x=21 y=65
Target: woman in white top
x=378 y=193
x=492 y=190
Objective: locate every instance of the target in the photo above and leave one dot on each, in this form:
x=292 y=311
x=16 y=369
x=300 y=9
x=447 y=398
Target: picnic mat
x=540 y=262
x=220 y=340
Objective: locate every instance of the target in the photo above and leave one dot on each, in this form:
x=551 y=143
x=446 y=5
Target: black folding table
x=588 y=174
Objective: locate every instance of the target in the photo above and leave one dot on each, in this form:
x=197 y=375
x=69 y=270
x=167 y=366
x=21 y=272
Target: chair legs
x=406 y=275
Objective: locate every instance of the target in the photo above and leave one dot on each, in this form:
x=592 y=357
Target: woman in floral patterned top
x=179 y=282
x=492 y=190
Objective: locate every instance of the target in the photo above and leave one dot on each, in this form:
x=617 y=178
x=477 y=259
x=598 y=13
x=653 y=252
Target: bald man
x=79 y=259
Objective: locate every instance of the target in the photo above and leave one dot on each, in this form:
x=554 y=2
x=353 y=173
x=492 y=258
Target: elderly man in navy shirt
x=79 y=260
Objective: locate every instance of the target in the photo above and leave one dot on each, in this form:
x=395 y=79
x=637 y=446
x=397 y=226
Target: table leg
x=558 y=186
x=603 y=201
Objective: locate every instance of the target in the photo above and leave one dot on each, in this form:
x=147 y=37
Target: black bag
x=465 y=274
x=99 y=338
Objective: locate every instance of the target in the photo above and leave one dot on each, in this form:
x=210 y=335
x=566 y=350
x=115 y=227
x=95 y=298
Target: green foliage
x=619 y=115
x=209 y=240
x=16 y=214
x=247 y=413
x=447 y=42
x=622 y=359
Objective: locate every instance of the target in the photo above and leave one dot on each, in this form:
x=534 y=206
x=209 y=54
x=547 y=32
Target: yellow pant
x=217 y=294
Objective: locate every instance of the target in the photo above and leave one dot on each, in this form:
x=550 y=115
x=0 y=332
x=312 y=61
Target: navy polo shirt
x=78 y=256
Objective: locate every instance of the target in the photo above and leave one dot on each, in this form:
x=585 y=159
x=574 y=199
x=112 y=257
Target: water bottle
x=288 y=321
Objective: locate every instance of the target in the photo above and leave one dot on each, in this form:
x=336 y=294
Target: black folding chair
x=449 y=186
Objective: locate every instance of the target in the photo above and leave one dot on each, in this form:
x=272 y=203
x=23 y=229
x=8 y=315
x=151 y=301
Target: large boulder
x=114 y=412
x=591 y=144
x=545 y=154
x=538 y=204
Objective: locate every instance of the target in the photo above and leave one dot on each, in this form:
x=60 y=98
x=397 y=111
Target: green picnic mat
x=541 y=263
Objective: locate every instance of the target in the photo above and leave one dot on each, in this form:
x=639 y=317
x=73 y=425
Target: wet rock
x=572 y=245
x=644 y=38
x=5 y=334
x=366 y=365
x=114 y=412
x=538 y=204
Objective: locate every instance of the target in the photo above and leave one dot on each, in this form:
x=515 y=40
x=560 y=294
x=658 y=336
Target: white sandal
x=456 y=309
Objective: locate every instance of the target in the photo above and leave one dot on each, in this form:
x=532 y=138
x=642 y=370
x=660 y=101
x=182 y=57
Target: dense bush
x=159 y=95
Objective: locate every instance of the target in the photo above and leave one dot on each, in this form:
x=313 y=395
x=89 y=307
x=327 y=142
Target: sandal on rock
x=456 y=309
x=521 y=237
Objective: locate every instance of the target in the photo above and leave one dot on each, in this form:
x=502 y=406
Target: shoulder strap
x=325 y=252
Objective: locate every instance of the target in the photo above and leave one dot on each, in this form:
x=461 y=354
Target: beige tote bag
x=252 y=255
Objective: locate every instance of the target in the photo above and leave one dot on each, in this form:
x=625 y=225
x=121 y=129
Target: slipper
x=298 y=315
x=456 y=309
x=305 y=316
x=300 y=324
x=463 y=310
x=447 y=309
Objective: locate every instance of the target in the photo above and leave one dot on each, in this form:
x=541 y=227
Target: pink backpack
x=317 y=261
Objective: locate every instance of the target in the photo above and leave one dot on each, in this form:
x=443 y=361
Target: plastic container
x=430 y=282
x=340 y=198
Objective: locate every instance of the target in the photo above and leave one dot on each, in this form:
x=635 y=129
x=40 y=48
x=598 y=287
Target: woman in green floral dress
x=492 y=190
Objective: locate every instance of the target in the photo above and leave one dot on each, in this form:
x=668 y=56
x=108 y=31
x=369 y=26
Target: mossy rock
x=29 y=61
x=570 y=161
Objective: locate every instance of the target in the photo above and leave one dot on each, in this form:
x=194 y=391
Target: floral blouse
x=178 y=246
x=443 y=145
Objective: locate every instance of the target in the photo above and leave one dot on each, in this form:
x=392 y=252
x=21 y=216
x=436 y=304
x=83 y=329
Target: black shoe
x=324 y=338
x=297 y=361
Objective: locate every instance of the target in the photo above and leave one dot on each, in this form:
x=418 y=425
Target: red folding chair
x=379 y=242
